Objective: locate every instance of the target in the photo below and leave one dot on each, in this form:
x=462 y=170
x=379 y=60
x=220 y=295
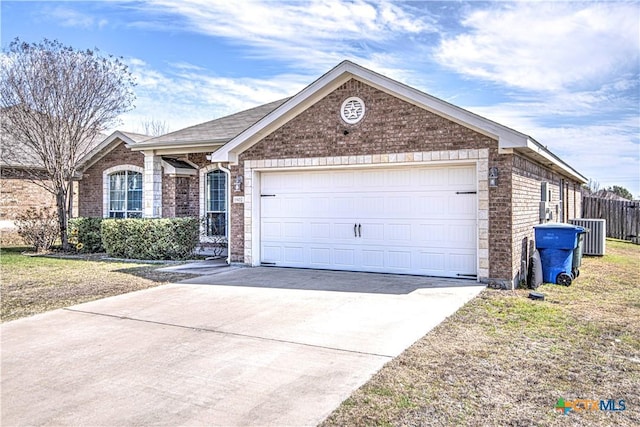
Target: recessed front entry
x=411 y=220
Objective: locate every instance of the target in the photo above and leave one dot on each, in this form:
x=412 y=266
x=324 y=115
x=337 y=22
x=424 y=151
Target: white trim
x=173 y=171
x=106 y=183
x=254 y=168
x=104 y=148
x=353 y=100
x=203 y=202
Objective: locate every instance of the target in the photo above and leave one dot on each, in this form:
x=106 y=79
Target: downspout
x=228 y=206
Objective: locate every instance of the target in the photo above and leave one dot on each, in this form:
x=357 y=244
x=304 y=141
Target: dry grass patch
x=504 y=359
x=35 y=284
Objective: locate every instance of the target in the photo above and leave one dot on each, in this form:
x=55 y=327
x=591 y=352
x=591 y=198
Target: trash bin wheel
x=564 y=279
x=576 y=273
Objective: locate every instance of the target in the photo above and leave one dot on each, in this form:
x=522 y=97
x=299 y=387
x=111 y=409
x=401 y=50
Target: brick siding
x=527 y=178
x=90 y=186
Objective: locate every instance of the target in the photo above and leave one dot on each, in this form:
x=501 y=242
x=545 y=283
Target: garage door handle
x=359 y=230
x=355 y=230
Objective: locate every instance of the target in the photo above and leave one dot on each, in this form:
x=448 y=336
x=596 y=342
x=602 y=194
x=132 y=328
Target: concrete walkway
x=248 y=346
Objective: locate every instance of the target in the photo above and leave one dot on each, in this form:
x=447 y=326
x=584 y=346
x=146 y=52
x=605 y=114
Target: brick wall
x=90 y=186
x=528 y=177
x=500 y=218
x=190 y=192
x=17 y=195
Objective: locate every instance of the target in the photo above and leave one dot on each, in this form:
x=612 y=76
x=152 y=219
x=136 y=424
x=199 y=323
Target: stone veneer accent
x=479 y=157
x=152 y=187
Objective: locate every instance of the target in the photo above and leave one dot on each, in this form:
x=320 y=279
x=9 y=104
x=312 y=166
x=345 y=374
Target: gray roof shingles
x=218 y=130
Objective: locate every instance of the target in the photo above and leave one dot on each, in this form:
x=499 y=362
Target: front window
x=216 y=203
x=125 y=194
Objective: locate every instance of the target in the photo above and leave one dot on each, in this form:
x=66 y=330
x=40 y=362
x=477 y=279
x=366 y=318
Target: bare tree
x=154 y=127
x=592 y=187
x=55 y=101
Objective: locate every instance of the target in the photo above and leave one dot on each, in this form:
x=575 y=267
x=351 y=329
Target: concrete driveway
x=248 y=346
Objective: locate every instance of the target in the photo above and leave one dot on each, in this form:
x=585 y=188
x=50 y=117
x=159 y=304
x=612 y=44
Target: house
x=355 y=172
x=22 y=182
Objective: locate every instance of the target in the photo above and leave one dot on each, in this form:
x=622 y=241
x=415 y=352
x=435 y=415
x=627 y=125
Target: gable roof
x=508 y=139
x=218 y=131
x=14 y=154
x=108 y=144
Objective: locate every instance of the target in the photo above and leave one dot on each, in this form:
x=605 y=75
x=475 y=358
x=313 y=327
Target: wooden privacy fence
x=623 y=217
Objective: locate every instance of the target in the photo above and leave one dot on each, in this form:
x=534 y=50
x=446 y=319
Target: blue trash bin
x=557 y=244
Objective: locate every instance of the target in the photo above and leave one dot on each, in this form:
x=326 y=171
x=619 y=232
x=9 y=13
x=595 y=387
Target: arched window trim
x=106 y=186
x=204 y=172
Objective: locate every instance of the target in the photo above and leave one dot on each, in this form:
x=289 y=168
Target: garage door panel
x=371 y=231
x=398 y=233
x=412 y=220
x=435 y=178
x=344 y=257
x=431 y=261
x=462 y=206
x=293 y=230
x=294 y=255
x=462 y=177
x=398 y=207
x=399 y=178
x=271 y=253
x=321 y=230
x=462 y=235
x=373 y=258
x=371 y=180
x=462 y=263
x=432 y=206
x=271 y=229
x=400 y=259
x=320 y=256
x=342 y=206
x=369 y=206
x=343 y=180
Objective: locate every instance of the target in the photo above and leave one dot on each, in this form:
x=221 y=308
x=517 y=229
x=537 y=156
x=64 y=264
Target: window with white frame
x=125 y=194
x=216 y=203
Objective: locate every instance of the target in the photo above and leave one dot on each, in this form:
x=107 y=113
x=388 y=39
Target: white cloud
x=546 y=45
x=185 y=95
x=68 y=17
x=312 y=35
x=607 y=151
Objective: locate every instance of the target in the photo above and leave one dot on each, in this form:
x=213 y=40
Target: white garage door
x=419 y=220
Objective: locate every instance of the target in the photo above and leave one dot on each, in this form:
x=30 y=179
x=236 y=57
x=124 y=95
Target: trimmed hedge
x=151 y=238
x=84 y=234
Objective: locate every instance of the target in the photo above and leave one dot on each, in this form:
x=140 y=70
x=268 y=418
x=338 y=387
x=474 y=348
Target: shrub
x=38 y=228
x=162 y=238
x=84 y=234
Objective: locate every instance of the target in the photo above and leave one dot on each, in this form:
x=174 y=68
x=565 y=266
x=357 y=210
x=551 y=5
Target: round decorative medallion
x=352 y=110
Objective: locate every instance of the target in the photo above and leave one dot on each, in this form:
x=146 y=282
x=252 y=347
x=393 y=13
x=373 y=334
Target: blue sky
x=565 y=73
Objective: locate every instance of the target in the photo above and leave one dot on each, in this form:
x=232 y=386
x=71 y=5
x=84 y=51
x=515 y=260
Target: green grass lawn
x=35 y=284
x=504 y=359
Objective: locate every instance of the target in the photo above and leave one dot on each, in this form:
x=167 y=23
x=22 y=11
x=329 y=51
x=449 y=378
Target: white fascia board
x=185 y=147
x=102 y=149
x=539 y=150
